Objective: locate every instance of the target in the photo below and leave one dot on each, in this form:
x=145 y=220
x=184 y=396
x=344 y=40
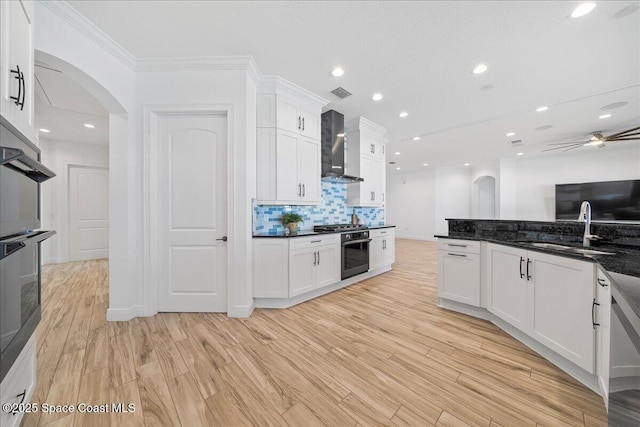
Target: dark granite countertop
x=626 y=260
x=309 y=232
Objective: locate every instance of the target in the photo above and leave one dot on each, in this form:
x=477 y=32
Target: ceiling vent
x=516 y=142
x=341 y=92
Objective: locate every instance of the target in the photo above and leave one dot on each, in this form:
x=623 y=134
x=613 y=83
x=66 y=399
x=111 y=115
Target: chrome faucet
x=585 y=216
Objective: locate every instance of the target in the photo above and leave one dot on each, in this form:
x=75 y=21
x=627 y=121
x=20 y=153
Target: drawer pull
x=602 y=282
x=593 y=314
x=456 y=245
x=316 y=241
x=460 y=255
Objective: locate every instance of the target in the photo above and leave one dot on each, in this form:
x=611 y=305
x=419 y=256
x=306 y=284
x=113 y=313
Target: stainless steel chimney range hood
x=333 y=149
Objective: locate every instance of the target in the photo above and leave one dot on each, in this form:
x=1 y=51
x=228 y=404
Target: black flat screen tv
x=610 y=200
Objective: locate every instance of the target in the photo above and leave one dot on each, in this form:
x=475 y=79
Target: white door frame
x=66 y=203
x=151 y=115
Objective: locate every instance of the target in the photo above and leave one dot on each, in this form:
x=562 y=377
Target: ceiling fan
x=597 y=139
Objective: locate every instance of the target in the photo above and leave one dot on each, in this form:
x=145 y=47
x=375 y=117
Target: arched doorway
x=485 y=188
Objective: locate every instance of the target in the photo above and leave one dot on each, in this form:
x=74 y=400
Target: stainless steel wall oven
x=20 y=176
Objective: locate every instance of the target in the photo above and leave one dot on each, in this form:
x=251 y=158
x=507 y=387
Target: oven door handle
x=14 y=244
x=35 y=170
x=356 y=241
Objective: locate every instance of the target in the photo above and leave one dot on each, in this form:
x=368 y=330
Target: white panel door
x=88 y=212
x=288 y=186
x=328 y=265
x=311 y=123
x=191 y=192
x=288 y=114
x=302 y=271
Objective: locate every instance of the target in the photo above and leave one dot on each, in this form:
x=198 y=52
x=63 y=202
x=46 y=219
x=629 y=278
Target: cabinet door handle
x=299 y=190
x=528 y=262
x=521 y=273
x=318 y=257
x=602 y=283
x=24 y=90
x=372 y=149
x=593 y=314
x=304 y=191
x=384 y=244
x=383 y=197
x=303 y=124
x=460 y=255
x=20 y=78
x=299 y=122
x=315 y=259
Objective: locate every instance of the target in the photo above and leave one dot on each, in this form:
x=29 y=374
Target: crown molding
x=360 y=123
x=65 y=11
x=197 y=63
x=276 y=84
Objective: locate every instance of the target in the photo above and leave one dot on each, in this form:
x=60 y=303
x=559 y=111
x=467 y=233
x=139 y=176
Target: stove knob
x=366 y=234
x=347 y=237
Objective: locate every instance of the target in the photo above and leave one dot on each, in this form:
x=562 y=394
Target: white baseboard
x=55 y=260
x=241 y=311
x=290 y=302
x=124 y=314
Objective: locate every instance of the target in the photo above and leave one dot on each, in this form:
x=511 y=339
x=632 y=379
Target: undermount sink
x=584 y=251
x=550 y=246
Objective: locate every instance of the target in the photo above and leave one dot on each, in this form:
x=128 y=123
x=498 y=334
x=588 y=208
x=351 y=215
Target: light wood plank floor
x=377 y=353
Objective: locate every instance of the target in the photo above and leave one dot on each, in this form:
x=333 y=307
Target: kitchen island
x=577 y=306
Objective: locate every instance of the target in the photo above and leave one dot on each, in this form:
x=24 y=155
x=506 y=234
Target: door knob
x=224 y=238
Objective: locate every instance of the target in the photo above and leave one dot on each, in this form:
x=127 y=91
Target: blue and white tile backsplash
x=333 y=210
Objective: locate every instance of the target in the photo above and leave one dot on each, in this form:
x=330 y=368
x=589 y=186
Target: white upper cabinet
x=16 y=65
x=366 y=159
x=288 y=144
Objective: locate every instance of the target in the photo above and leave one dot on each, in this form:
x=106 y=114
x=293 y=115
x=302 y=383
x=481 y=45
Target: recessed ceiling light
x=604 y=116
x=416 y=138
x=582 y=10
x=44 y=130
x=337 y=72
x=480 y=68
x=541 y=109
x=397 y=169
x=377 y=96
x=89 y=125
x=466 y=164
x=519 y=154
x=403 y=114
x=425 y=164
x=511 y=133
x=397 y=152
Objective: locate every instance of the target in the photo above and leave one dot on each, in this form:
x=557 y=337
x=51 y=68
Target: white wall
x=57 y=155
x=536 y=177
x=525 y=187
x=414 y=220
x=453 y=196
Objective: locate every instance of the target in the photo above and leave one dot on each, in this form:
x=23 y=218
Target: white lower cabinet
x=550 y=298
x=603 y=331
x=459 y=271
x=19 y=383
x=313 y=264
x=382 y=248
x=284 y=268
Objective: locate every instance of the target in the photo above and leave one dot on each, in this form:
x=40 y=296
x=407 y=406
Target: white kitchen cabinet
x=562 y=307
x=459 y=271
x=603 y=331
x=16 y=65
x=19 y=383
x=314 y=262
x=288 y=144
x=382 y=249
x=294 y=115
x=270 y=268
x=366 y=159
x=548 y=297
x=507 y=287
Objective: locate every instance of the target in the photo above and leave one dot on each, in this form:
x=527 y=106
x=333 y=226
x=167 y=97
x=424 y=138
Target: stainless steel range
x=354 y=247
